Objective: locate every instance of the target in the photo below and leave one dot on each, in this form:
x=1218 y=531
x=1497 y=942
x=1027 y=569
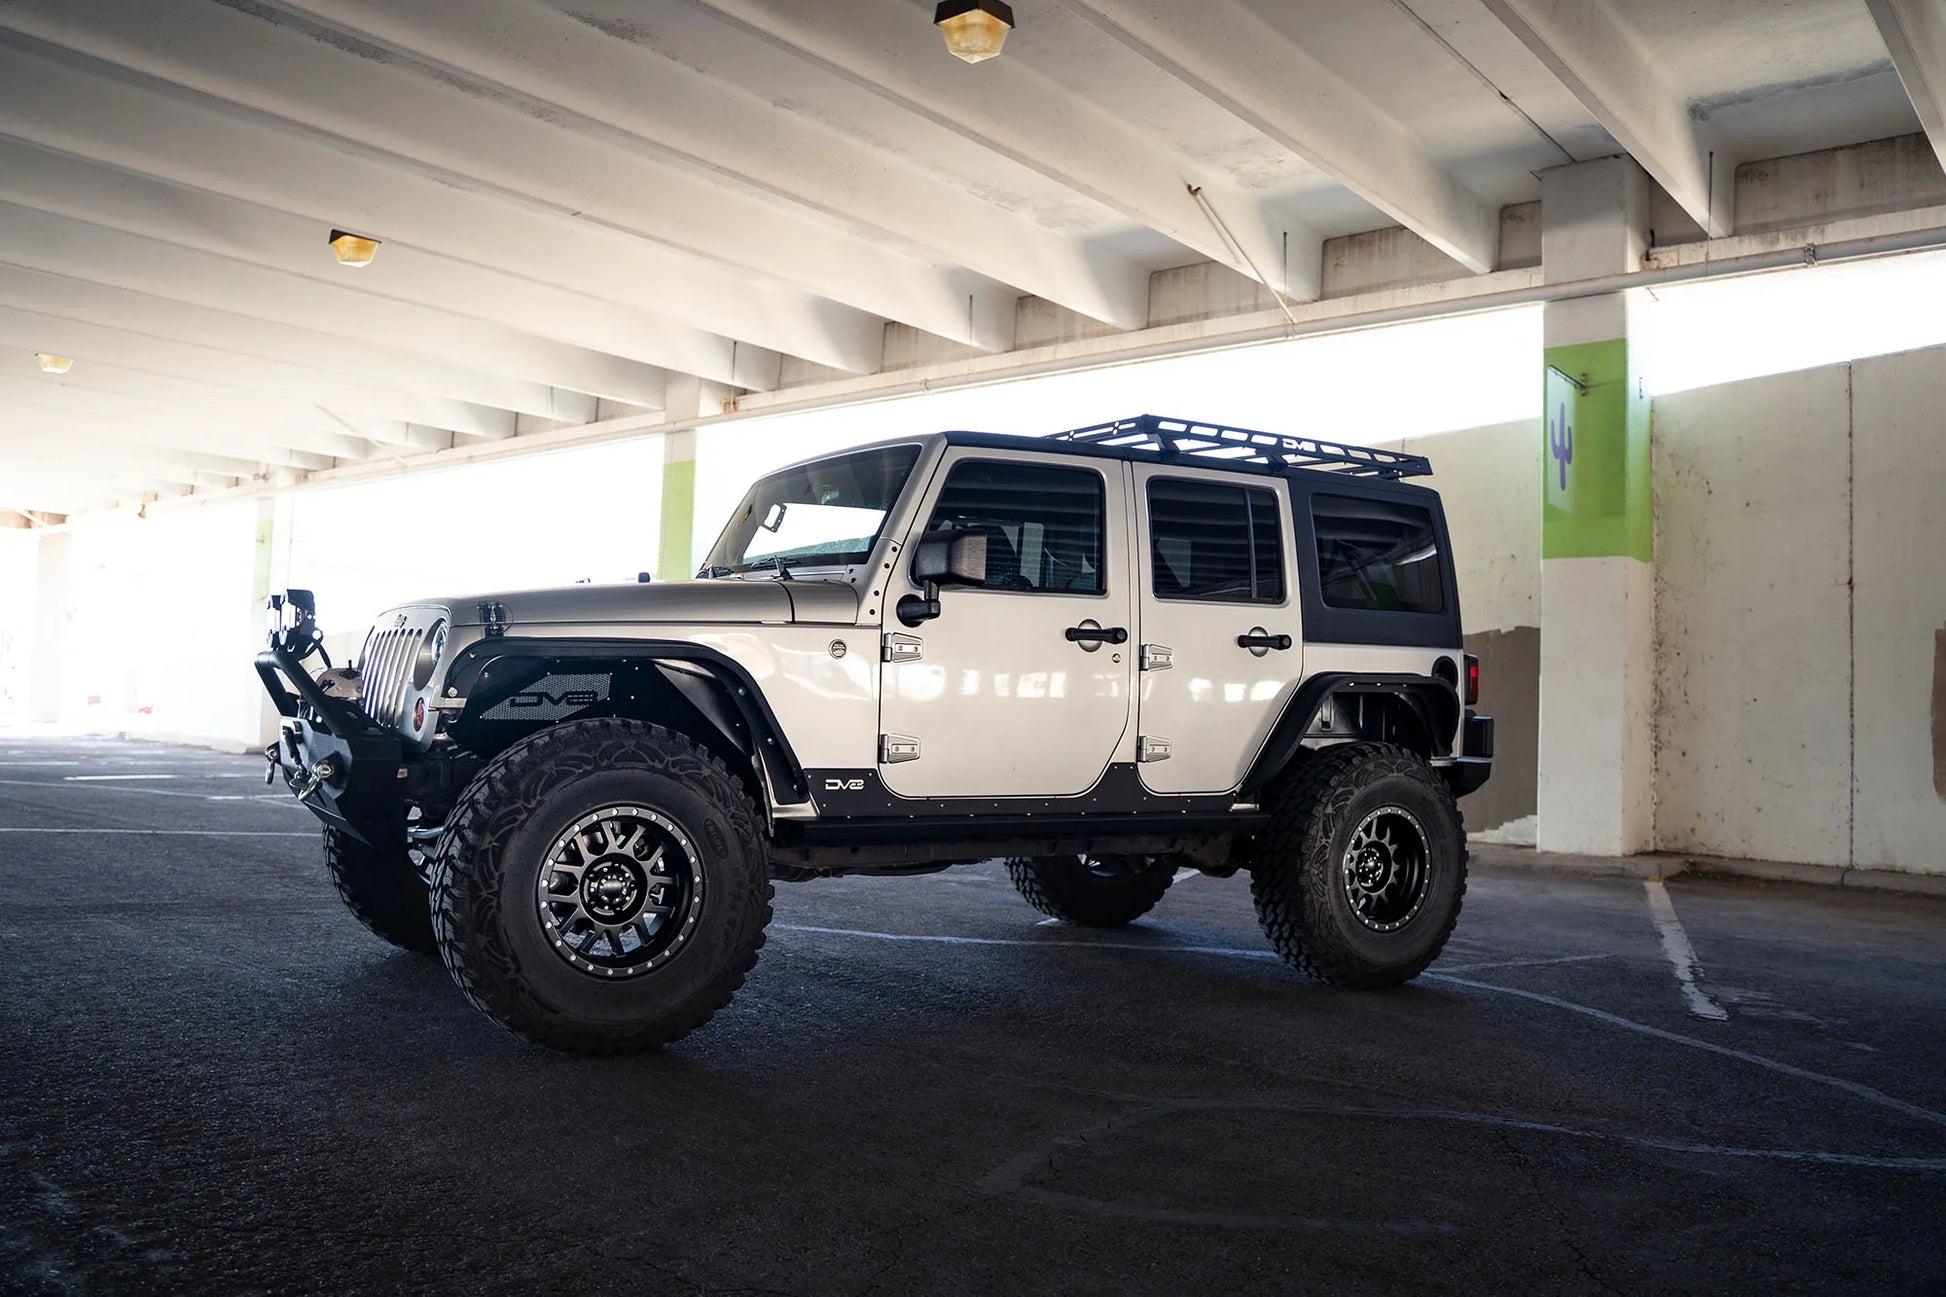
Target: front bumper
x=346 y=769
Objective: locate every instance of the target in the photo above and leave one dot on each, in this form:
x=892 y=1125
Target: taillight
x=1472 y=679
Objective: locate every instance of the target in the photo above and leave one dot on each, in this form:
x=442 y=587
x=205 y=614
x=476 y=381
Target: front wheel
x=1359 y=877
x=1092 y=891
x=601 y=887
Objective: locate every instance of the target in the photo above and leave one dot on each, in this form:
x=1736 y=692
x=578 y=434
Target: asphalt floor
x=212 y=1080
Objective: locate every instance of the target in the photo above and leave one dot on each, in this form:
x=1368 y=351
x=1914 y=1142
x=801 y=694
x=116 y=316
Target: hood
x=721 y=601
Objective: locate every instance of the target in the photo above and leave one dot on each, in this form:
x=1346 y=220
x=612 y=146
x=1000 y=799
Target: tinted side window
x=1378 y=555
x=1212 y=541
x=1043 y=525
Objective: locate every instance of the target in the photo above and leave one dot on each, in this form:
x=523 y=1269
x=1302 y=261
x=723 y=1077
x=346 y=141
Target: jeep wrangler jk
x=1103 y=656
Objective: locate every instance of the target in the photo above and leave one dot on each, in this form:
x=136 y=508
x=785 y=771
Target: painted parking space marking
x=1855 y=1088
x=156 y=792
x=90 y=779
x=177 y=833
x=1682 y=955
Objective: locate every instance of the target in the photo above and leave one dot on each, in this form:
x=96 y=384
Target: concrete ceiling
x=601 y=208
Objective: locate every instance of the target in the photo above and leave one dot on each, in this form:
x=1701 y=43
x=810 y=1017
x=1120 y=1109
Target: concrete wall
x=1753 y=669
x=1489 y=479
x=1899 y=556
x=1801 y=595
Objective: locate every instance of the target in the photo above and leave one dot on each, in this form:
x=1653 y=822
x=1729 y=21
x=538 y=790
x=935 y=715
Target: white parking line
x=1682 y=956
x=179 y=833
x=89 y=779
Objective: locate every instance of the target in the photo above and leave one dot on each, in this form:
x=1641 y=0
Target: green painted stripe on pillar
x=1595 y=455
x=675 y=556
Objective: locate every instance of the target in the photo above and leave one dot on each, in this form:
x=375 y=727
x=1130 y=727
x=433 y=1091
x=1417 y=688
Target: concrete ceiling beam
x=284 y=241
x=1031 y=116
x=126 y=404
x=1237 y=60
x=120 y=117
x=309 y=409
x=851 y=221
x=1592 y=53
x=427 y=391
x=122 y=461
x=54 y=489
x=1914 y=32
x=529 y=372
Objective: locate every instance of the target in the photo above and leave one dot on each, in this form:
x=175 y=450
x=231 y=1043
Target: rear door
x=1221 y=640
x=1016 y=688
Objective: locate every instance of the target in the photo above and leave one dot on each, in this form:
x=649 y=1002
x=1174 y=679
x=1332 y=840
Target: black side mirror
x=943 y=558
x=951 y=558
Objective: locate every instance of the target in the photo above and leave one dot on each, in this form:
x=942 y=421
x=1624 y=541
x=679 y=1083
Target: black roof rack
x=1171 y=438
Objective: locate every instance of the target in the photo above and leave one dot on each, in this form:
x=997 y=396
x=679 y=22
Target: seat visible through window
x=1043 y=523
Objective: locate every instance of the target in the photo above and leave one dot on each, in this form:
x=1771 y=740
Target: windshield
x=826 y=513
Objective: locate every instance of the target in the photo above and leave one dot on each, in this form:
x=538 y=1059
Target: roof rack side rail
x=1174 y=438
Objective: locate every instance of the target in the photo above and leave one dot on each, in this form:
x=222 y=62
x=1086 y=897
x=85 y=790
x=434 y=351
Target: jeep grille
x=387 y=670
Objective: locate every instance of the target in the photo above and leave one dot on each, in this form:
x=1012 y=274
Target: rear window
x=1378 y=555
x=1211 y=541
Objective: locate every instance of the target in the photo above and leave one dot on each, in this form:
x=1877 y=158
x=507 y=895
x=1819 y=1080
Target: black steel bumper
x=347 y=770
x=1475 y=762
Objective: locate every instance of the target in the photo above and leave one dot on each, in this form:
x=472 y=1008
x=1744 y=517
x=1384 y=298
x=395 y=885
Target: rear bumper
x=345 y=769
x=1475 y=763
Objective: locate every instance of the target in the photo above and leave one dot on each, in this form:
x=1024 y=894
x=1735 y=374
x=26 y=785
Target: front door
x=1017 y=688
x=1220 y=635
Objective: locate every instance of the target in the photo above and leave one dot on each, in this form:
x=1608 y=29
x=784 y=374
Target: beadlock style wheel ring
x=619 y=892
x=1387 y=869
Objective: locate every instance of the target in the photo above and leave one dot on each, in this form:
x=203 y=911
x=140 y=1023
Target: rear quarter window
x=1377 y=555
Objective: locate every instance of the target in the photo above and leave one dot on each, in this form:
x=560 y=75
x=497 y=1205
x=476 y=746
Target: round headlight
x=431 y=648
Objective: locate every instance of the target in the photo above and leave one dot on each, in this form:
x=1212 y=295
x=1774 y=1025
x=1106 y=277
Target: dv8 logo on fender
x=844 y=785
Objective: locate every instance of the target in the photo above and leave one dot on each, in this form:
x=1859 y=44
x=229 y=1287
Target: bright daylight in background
x=179 y=582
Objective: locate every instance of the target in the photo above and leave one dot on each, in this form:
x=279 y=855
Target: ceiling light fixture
x=353 y=249
x=975 y=29
x=53 y=364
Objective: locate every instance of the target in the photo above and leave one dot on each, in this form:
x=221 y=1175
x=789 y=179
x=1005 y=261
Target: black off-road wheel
x=1359 y=878
x=382 y=889
x=1092 y=891
x=602 y=887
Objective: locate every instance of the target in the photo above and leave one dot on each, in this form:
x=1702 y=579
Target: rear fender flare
x=1431 y=701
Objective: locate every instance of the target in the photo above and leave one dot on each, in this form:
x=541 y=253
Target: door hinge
x=903 y=648
x=1150 y=748
x=1158 y=657
x=894 y=748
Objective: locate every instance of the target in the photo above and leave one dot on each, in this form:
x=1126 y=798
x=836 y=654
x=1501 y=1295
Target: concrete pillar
x=271 y=571
x=46 y=677
x=675 y=558
x=1597 y=588
x=688 y=398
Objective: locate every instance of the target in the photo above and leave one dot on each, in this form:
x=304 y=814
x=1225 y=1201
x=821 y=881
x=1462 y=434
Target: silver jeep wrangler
x=1103 y=656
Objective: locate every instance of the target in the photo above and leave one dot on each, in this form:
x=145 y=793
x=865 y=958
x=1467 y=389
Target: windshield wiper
x=713 y=570
x=776 y=563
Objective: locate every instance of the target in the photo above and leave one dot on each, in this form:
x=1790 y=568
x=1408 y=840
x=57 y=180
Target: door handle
x=1258 y=640
x=1091 y=634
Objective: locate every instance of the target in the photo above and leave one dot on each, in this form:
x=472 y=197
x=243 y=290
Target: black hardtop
x=1151 y=438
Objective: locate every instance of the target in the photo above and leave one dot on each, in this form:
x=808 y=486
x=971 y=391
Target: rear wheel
x=601 y=887
x=1093 y=891
x=382 y=889
x=1359 y=878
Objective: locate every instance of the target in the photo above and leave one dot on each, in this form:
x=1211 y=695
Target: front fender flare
x=716 y=685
